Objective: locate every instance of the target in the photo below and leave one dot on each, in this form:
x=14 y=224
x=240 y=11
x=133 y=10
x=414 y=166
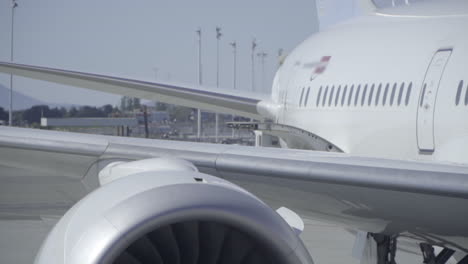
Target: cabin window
x=332 y=92
x=337 y=95
x=400 y=94
x=350 y=95
x=307 y=96
x=459 y=90
x=356 y=98
x=325 y=96
x=345 y=90
x=384 y=99
x=318 y=96
x=371 y=93
x=364 y=93
x=408 y=93
x=422 y=95
x=392 y=96
x=302 y=95
x=377 y=96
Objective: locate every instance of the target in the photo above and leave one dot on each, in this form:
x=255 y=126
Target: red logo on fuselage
x=319 y=67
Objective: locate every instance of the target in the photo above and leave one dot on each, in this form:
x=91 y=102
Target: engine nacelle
x=170 y=214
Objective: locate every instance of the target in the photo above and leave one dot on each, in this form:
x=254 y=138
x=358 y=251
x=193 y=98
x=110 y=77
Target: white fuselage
x=376 y=59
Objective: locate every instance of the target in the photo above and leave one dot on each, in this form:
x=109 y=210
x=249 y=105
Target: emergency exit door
x=427 y=100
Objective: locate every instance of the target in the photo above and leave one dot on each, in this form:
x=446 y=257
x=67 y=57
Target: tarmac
x=327 y=243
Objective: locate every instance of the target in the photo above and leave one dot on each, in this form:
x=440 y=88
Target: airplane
x=371 y=115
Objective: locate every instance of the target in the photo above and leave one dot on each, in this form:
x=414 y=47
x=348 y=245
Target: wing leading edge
x=222 y=101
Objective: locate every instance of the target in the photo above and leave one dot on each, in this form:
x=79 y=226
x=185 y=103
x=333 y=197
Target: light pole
x=10 y=114
x=156 y=70
x=280 y=57
x=234 y=52
x=262 y=55
x=254 y=45
x=218 y=37
x=199 y=34
x=200 y=80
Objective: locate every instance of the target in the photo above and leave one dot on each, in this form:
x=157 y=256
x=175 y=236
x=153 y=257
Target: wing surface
x=222 y=101
x=55 y=169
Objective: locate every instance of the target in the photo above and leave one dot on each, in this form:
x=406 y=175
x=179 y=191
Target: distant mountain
x=20 y=101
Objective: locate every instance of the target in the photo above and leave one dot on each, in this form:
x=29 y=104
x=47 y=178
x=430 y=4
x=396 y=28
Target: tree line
x=33 y=115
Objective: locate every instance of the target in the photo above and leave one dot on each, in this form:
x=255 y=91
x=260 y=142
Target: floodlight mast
x=234 y=51
x=156 y=70
x=254 y=46
x=262 y=55
x=280 y=57
x=218 y=37
x=200 y=80
x=14 y=4
x=199 y=34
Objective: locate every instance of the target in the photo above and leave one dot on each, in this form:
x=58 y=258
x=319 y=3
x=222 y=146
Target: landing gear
x=429 y=256
x=372 y=248
x=464 y=260
x=386 y=248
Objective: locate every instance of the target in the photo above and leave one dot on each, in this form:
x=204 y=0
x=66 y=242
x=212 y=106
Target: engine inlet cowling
x=171 y=217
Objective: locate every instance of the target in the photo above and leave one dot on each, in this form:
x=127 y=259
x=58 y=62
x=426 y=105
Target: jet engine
x=165 y=211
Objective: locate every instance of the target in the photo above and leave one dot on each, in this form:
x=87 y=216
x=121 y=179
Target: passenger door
x=427 y=100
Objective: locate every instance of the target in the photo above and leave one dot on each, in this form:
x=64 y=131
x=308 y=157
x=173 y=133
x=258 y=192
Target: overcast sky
x=132 y=38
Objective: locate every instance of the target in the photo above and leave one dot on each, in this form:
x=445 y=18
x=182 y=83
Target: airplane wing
x=87 y=189
x=44 y=173
x=223 y=101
